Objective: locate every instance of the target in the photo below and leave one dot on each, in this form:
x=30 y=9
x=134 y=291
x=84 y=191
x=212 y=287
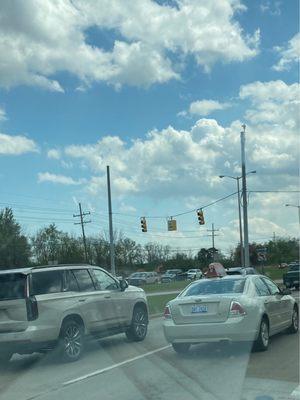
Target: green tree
x=14 y=247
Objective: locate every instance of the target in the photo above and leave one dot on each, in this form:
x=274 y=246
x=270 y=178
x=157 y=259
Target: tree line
x=51 y=245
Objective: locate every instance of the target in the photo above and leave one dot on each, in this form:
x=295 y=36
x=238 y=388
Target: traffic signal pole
x=111 y=232
x=244 y=192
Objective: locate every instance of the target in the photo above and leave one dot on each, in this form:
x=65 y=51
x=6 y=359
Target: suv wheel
x=262 y=342
x=139 y=325
x=181 y=348
x=71 y=340
x=295 y=321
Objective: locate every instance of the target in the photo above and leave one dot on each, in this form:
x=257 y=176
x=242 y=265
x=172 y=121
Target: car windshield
x=140 y=136
x=210 y=287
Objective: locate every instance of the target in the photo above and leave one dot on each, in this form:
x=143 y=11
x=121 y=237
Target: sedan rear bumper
x=233 y=330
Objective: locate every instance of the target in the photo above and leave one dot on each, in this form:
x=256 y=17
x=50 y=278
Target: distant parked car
x=291 y=277
x=241 y=271
x=173 y=275
x=194 y=273
x=142 y=278
x=248 y=308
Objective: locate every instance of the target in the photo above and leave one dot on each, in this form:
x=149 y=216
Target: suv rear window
x=46 y=282
x=12 y=286
x=215 y=287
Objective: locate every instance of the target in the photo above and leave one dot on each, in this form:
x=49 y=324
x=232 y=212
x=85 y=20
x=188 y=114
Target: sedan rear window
x=221 y=286
x=12 y=286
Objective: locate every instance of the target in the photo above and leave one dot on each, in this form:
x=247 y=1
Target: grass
x=273 y=272
x=165 y=287
x=157 y=303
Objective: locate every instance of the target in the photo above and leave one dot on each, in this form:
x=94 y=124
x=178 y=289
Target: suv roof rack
x=62 y=265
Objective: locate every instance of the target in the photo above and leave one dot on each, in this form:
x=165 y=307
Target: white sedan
x=230 y=309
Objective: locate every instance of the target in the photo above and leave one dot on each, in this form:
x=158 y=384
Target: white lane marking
x=101 y=371
x=296 y=393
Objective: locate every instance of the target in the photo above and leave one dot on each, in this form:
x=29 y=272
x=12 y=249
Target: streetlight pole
x=237 y=179
x=111 y=233
x=245 y=205
x=240 y=223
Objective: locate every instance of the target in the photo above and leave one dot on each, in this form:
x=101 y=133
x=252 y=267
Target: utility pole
x=240 y=224
x=244 y=192
x=274 y=237
x=213 y=235
x=82 y=223
x=111 y=232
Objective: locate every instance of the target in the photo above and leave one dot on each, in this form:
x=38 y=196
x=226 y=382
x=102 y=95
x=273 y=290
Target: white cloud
x=3 y=116
x=16 y=145
x=185 y=163
x=206 y=107
x=273 y=8
x=61 y=179
x=289 y=54
x=54 y=154
x=40 y=38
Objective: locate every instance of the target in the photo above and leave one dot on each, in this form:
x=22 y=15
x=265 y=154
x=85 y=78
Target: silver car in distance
x=231 y=309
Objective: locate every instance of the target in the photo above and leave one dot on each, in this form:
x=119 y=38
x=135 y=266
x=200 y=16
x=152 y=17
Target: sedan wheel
x=139 y=325
x=295 y=321
x=181 y=348
x=262 y=342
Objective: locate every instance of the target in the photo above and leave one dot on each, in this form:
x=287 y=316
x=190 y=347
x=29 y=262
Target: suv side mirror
x=123 y=284
x=286 y=291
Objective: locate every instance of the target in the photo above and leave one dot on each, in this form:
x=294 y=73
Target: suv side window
x=71 y=282
x=84 y=280
x=46 y=282
x=272 y=287
x=261 y=288
x=104 y=281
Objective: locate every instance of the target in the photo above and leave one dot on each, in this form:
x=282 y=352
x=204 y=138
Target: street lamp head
x=221 y=176
x=253 y=172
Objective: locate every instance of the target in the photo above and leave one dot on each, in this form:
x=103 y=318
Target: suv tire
x=139 y=324
x=181 y=348
x=71 y=341
x=295 y=321
x=262 y=342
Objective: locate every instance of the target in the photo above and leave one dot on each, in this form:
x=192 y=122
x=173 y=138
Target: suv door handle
x=107 y=296
x=81 y=300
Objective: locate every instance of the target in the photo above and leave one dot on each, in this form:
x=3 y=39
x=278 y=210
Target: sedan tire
x=262 y=342
x=181 y=348
x=295 y=321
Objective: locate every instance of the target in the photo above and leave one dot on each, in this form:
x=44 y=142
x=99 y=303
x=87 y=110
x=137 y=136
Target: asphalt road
x=113 y=368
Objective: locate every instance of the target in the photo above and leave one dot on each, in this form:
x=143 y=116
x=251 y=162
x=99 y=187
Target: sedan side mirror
x=123 y=285
x=286 y=291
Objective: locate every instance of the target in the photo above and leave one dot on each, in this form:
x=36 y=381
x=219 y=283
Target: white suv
x=43 y=308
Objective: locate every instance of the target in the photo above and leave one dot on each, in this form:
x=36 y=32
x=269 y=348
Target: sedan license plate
x=199 y=309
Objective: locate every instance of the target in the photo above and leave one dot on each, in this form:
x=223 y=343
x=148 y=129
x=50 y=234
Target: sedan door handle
x=107 y=296
x=81 y=300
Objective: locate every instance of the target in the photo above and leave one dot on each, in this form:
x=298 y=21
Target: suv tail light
x=236 y=310
x=32 y=308
x=167 y=313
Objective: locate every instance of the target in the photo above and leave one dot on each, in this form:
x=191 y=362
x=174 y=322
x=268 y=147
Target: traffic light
x=200 y=217
x=143 y=224
x=172 y=225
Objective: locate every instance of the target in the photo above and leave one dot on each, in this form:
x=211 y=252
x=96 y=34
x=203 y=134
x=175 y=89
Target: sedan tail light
x=236 y=310
x=167 y=313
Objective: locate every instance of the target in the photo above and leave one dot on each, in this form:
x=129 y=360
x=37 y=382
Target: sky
x=157 y=90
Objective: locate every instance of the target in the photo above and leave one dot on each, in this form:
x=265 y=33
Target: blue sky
x=159 y=91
